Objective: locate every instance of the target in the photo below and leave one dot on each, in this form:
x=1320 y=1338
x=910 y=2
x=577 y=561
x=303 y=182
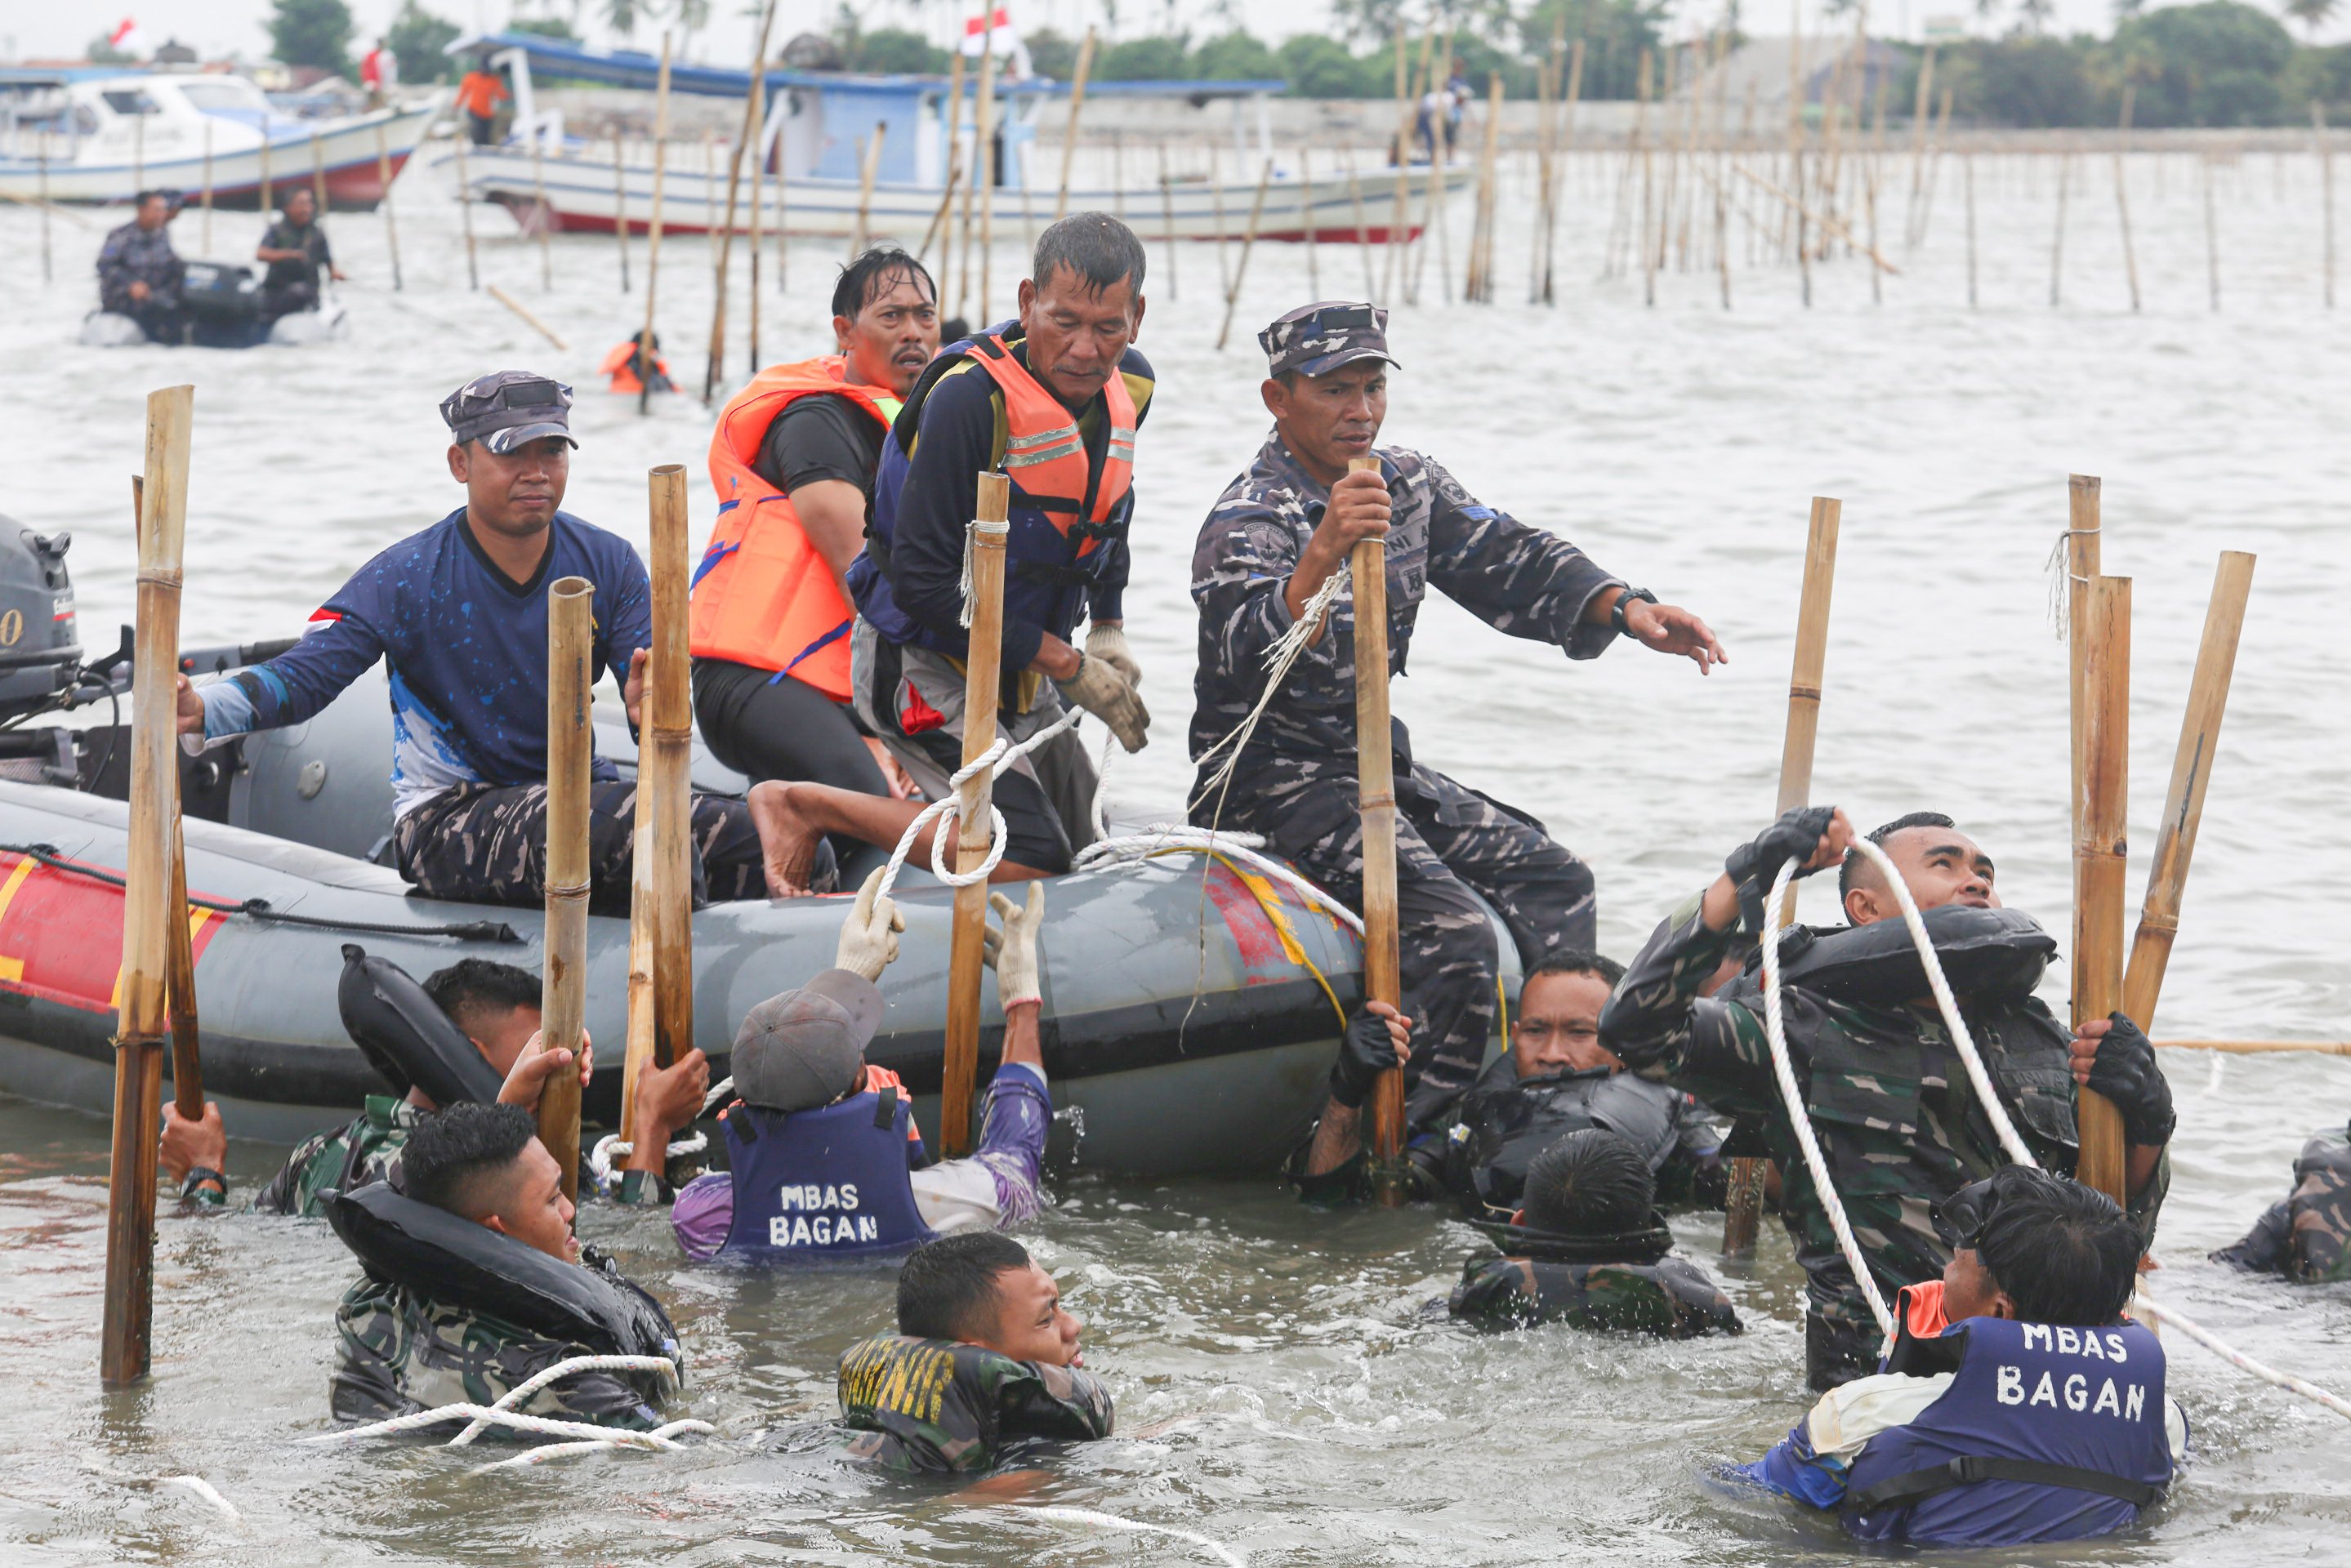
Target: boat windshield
x=129 y=100
x=224 y=98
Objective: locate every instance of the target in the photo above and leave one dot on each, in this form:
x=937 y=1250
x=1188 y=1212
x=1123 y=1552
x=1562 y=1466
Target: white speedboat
x=101 y=136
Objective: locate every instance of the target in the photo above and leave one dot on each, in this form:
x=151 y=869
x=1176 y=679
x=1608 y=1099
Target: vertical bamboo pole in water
x=143 y=1015
x=1403 y=151
x=1566 y=144
x=466 y=214
x=1311 y=238
x=2083 y=540
x=317 y=179
x=264 y=204
x=2122 y=197
x=749 y=136
x=1167 y=218
x=2057 y=244
x=984 y=160
x=654 y=226
x=180 y=990
x=1069 y=133
x=207 y=241
x=758 y=177
x=1375 y=797
x=1919 y=118
x=384 y=185
x=2211 y=236
x=2192 y=774
x=542 y=215
x=620 y=203
x=2326 y=199
x=563 y=986
x=1249 y=240
x=2099 y=864
x=966 y=947
x=868 y=163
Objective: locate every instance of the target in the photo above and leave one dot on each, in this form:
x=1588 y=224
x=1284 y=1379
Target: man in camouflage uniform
x=138 y=273
x=1277 y=535
x=2306 y=1237
x=1893 y=1106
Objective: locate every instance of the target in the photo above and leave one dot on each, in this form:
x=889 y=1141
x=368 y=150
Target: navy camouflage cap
x=508 y=409
x=1316 y=339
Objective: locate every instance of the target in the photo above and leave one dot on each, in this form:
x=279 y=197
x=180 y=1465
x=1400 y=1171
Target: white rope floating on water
x=585 y=1436
x=204 y=1489
x=1222 y=1552
x=546 y=1451
x=1993 y=1110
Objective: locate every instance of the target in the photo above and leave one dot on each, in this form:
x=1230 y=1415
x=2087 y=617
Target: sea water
x=1280 y=1390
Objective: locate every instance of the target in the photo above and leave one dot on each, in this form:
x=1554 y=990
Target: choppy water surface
x=1278 y=1391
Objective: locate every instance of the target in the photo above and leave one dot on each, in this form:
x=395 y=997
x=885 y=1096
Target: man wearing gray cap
x=824 y=1161
x=458 y=614
x=1276 y=536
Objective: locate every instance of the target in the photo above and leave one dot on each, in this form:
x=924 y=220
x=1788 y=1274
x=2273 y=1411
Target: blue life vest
x=2045 y=1434
x=1066 y=501
x=828 y=1183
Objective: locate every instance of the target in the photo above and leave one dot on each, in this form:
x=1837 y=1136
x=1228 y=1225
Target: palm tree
x=2312 y=13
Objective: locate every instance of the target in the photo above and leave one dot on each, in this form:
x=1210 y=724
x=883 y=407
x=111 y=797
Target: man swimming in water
x=984 y=1368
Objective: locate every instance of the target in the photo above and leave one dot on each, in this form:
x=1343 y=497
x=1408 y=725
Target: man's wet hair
x=1099 y=250
x=457 y=1157
x=1849 y=874
x=2063 y=1252
x=1577 y=960
x=863 y=280
x=1592 y=1182
x=948 y=1288
x=473 y=989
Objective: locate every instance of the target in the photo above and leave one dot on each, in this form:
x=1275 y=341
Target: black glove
x=1365 y=1051
x=1755 y=864
x=2125 y=1072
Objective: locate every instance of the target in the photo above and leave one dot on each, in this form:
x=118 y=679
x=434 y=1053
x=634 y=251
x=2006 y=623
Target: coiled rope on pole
x=950 y=806
x=1993 y=1109
x=585 y=1437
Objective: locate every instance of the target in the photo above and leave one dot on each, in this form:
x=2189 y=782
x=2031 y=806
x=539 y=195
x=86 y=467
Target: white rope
x=204 y=1489
x=1183 y=838
x=1278 y=660
x=950 y=807
x=1994 y=1112
x=519 y=1394
x=613 y=1146
x=585 y=1436
x=546 y=1451
x=1222 y=1552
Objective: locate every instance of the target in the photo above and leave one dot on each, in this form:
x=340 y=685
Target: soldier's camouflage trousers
x=486 y=844
x=1842 y=1339
x=1453 y=846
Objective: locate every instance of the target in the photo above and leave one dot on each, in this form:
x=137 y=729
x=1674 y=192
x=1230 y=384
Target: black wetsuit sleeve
x=2266 y=1247
x=820 y=438
x=957 y=440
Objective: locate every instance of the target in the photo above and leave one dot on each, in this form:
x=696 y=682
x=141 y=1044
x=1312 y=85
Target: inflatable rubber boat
x=224 y=301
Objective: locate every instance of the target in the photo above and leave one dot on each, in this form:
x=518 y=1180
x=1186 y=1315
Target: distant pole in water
x=750 y=134
x=1248 y=239
x=783 y=178
x=384 y=198
x=1217 y=199
x=48 y=276
x=2191 y=776
x=2212 y=235
x=1376 y=799
x=465 y=213
x=1547 y=86
x=869 y=160
x=317 y=179
x=966 y=945
x=2100 y=867
x=265 y=201
x=2326 y=197
x=1311 y=234
x=1168 y=218
x=1069 y=135
x=758 y=176
x=654 y=230
x=981 y=187
x=1363 y=228
x=2122 y=196
x=1649 y=191
x=1968 y=182
x=944 y=219
x=563 y=986
x=143 y=1015
x=207 y=241
x=542 y=213
x=985 y=166
x=1477 y=269
x=620 y=203
x=139 y=151
x=1911 y=230
x=2057 y=244
x=1402 y=152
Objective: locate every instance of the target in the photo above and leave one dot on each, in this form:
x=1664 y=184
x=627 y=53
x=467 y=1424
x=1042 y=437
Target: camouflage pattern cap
x=508 y=409
x=1316 y=339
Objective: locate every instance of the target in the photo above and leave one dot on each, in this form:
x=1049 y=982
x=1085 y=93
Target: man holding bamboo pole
x=1886 y=1092
x=1276 y=536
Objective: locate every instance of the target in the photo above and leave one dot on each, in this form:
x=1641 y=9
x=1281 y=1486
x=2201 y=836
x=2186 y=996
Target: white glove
x=1016 y=959
x=1103 y=691
x=869 y=938
x=1108 y=643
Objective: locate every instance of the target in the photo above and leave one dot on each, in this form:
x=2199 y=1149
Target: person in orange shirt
x=479 y=96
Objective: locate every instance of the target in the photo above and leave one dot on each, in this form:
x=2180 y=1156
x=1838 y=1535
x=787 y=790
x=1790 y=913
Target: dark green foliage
x=1145 y=59
x=554 y=27
x=2213 y=64
x=314 y=33
x=1614 y=32
x=1052 y=54
x=891 y=51
x=417 y=37
x=1235 y=57
x=1316 y=67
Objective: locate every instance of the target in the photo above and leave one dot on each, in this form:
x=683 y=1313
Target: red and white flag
x=128 y=37
x=977 y=31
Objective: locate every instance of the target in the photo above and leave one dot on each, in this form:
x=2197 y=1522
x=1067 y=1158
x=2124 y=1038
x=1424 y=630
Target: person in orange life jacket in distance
x=2017 y=1403
x=793 y=460
x=623 y=368
x=1051 y=399
x=458 y=614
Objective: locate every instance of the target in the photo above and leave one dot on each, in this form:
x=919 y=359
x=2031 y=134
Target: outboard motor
x=40 y=637
x=221 y=292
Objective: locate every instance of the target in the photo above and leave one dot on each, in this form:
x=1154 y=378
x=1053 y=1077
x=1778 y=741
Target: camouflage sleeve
x=1713 y=1048
x=1495 y=1291
x=1059 y=1403
x=1238 y=580
x=291 y=1191
x=2264 y=1249
x=1519 y=579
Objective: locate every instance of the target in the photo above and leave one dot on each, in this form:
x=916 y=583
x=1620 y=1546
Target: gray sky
x=222 y=27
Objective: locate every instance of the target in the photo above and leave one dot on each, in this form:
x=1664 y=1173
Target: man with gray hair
x=1053 y=400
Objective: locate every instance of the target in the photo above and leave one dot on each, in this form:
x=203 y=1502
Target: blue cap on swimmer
x=508 y=409
x=1316 y=339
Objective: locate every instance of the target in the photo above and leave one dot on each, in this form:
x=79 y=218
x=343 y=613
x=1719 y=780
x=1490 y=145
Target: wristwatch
x=1616 y=610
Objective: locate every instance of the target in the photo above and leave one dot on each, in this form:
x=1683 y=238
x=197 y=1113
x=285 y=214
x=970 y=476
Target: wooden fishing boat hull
x=346 y=149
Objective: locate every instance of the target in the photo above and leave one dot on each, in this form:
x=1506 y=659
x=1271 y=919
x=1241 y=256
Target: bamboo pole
x=2057 y=244
x=187 y=1067
x=2192 y=774
x=466 y=216
x=317 y=180
x=1935 y=165
x=984 y=165
x=1919 y=118
x=2258 y=1047
x=563 y=984
x=1435 y=210
x=1166 y=218
x=1248 y=239
x=2099 y=864
x=265 y=199
x=867 y=164
x=143 y=1015
x=654 y=223
x=542 y=215
x=1375 y=796
x=2083 y=537
x=1481 y=242
x=1069 y=135
x=751 y=241
x=1312 y=238
x=982 y=671
x=1363 y=228
x=1547 y=88
x=783 y=182
x=533 y=322
x=1403 y=160
x=750 y=133
x=1566 y=144
x=207 y=241
x=945 y=220
x=620 y=203
x=938 y=217
x=2122 y=198
x=384 y=183
x=983 y=168
x=2211 y=236
x=2326 y=196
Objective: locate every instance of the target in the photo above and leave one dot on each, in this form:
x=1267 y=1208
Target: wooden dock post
x=966 y=947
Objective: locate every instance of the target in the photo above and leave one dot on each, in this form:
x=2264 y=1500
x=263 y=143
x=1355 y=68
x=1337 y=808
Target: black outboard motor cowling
x=40 y=635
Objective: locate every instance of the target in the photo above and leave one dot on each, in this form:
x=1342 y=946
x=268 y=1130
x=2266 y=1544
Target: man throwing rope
x=1276 y=536
x=1887 y=1094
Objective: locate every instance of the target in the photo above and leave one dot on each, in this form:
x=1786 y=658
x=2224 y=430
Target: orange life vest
x=763 y=594
x=619 y=369
x=1045 y=455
